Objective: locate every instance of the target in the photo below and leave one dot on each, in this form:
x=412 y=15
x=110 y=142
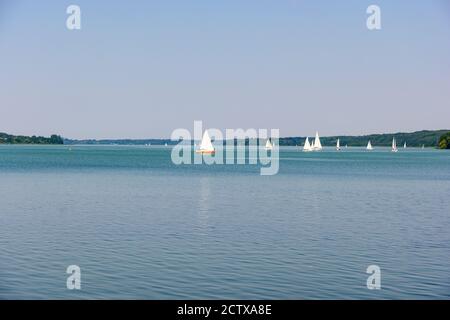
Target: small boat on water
x=269 y=145
x=394 y=145
x=206 y=146
x=369 y=146
x=317 y=145
x=314 y=145
x=338 y=145
x=404 y=145
x=307 y=146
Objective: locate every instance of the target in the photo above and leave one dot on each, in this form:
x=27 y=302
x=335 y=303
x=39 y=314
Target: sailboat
x=369 y=146
x=423 y=146
x=394 y=145
x=307 y=147
x=206 y=146
x=269 y=145
x=317 y=145
x=338 y=145
x=404 y=145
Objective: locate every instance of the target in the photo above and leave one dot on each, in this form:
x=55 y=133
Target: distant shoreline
x=30 y=140
x=426 y=138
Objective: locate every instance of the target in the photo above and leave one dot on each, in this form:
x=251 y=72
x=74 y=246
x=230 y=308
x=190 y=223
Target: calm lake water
x=140 y=227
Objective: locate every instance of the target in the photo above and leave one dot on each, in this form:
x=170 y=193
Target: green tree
x=444 y=141
x=55 y=139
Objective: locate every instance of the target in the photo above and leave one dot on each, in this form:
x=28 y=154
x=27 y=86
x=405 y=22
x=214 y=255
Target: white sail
x=394 y=145
x=317 y=144
x=369 y=146
x=404 y=145
x=338 y=145
x=269 y=145
x=206 y=145
x=307 y=146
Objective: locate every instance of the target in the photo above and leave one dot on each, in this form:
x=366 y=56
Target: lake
x=141 y=227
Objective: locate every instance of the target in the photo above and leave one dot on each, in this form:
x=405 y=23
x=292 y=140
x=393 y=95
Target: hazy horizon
x=140 y=70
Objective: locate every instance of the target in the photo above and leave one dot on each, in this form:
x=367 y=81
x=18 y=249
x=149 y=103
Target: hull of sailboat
x=205 y=151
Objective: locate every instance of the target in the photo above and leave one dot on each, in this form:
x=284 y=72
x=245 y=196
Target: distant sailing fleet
x=317 y=146
x=206 y=146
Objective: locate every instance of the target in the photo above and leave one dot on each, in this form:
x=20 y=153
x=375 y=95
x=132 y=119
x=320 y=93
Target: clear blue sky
x=140 y=69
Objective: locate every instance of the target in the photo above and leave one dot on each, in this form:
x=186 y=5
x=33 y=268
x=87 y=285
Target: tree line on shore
x=11 y=139
x=427 y=138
